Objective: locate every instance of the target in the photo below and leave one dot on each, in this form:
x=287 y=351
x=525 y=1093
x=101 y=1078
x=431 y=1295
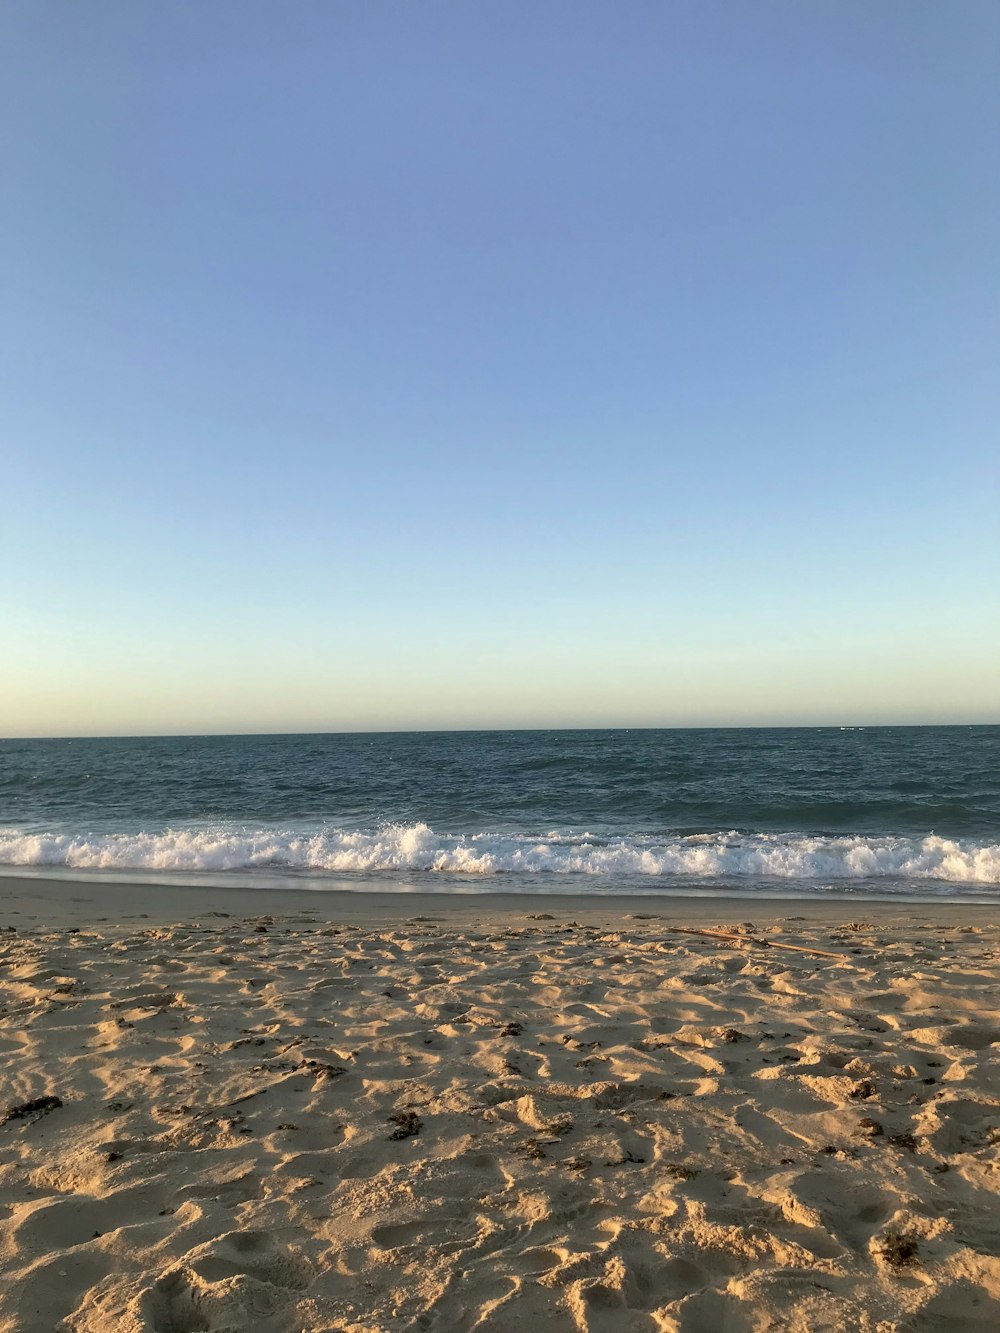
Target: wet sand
x=233 y=1110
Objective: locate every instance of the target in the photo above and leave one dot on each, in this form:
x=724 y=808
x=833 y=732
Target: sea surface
x=872 y=811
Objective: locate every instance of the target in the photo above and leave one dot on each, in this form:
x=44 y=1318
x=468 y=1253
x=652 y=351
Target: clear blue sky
x=374 y=365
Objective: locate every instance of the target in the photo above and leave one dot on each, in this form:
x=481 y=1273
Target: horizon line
x=472 y=731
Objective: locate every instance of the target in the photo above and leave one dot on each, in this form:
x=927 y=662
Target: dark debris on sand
x=863 y=1091
x=905 y=1140
x=899 y=1248
x=407 y=1123
x=38 y=1107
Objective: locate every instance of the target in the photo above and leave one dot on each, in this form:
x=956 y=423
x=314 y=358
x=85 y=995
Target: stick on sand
x=750 y=939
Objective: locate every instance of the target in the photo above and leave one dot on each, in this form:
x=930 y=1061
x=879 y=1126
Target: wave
x=417 y=848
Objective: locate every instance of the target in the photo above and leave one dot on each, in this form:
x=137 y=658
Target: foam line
x=416 y=847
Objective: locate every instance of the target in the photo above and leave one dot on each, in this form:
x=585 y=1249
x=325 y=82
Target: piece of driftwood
x=753 y=940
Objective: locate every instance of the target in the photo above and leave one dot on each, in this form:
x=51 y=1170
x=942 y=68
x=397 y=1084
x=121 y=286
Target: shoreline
x=67 y=898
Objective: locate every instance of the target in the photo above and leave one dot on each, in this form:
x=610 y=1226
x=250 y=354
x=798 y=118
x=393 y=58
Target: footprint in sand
x=236 y=1281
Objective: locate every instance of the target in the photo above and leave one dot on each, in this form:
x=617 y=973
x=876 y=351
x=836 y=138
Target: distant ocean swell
x=417 y=848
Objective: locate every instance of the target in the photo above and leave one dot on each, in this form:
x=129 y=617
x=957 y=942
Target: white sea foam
x=417 y=848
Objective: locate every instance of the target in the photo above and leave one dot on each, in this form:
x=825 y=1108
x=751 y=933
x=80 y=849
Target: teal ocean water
x=879 y=810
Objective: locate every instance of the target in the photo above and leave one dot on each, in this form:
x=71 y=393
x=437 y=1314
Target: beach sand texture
x=553 y=1116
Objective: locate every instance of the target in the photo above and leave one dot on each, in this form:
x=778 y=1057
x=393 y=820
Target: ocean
x=862 y=811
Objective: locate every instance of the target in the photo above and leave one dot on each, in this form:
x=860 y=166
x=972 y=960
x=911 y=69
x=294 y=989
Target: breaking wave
x=418 y=848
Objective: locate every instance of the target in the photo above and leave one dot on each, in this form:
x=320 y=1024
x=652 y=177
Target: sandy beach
x=282 y=1111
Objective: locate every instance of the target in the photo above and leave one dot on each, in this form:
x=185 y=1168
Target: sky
x=391 y=365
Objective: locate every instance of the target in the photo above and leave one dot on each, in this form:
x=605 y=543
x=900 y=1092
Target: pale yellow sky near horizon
x=274 y=689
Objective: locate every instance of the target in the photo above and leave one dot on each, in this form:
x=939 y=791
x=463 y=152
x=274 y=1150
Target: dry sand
x=301 y=1112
